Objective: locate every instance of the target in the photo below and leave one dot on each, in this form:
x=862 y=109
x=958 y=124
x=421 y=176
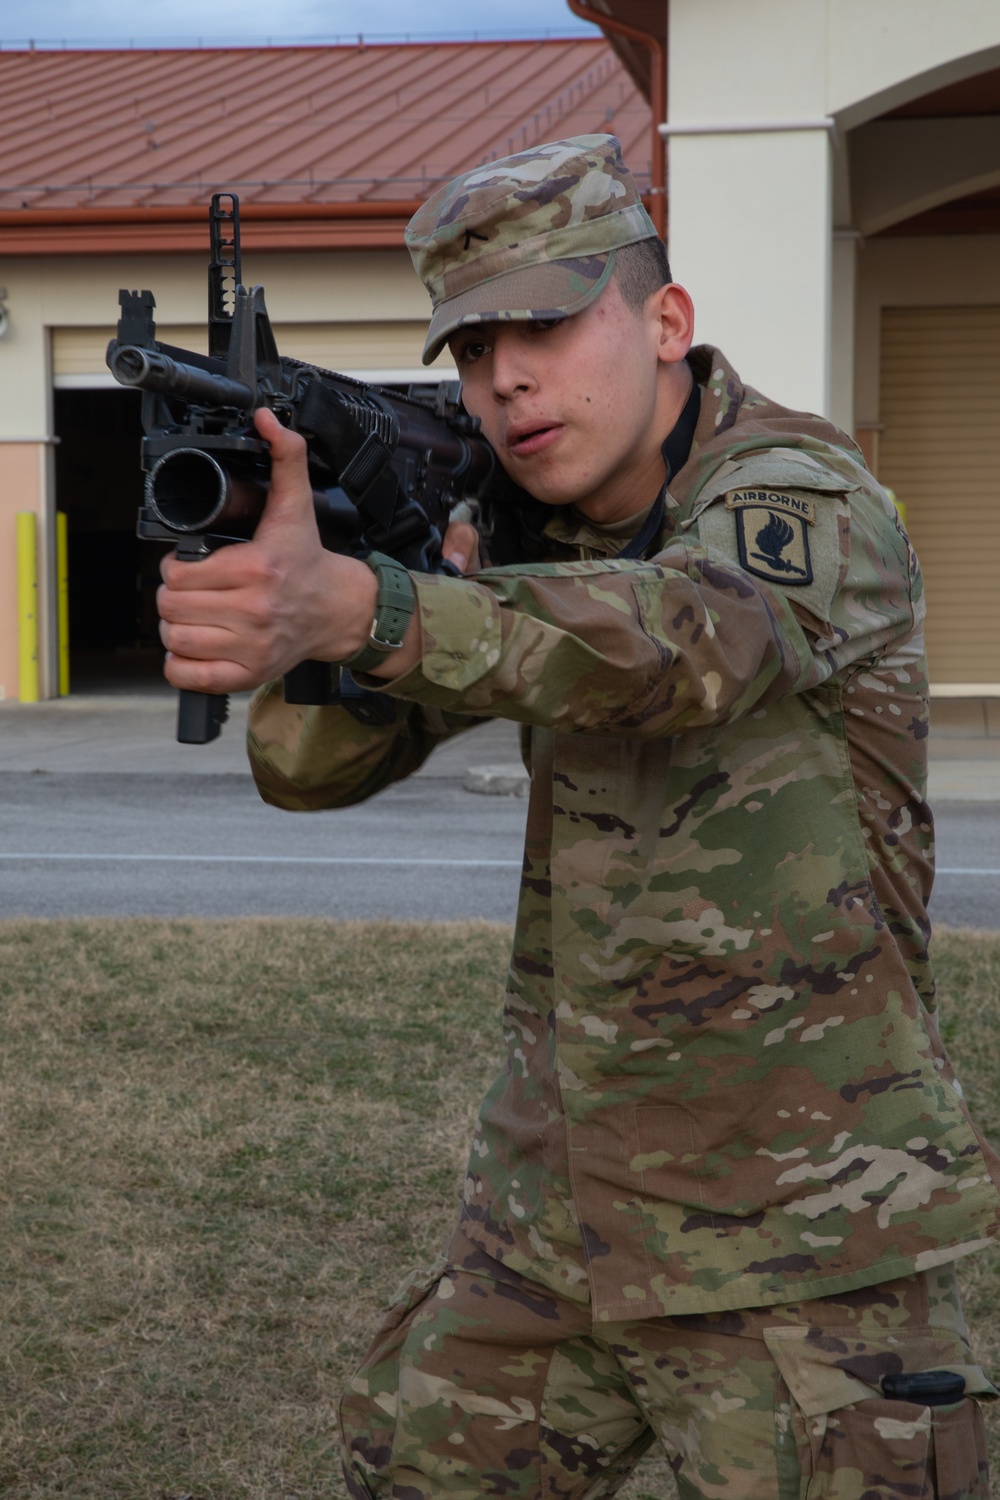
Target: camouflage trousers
x=481 y=1382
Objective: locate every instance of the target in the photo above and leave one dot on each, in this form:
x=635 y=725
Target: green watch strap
x=394 y=604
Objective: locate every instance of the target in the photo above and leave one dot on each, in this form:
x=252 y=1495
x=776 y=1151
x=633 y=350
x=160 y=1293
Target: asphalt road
x=967 y=887
x=187 y=845
x=131 y=844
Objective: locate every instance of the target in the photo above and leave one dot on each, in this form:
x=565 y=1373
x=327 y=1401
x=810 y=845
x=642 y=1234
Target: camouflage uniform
x=482 y=1383
x=725 y=1088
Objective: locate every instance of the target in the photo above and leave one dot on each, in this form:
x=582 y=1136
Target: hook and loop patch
x=772 y=531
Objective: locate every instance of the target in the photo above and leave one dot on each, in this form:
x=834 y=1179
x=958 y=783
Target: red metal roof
x=121 y=150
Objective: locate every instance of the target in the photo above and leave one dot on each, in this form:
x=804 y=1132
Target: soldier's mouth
x=525 y=441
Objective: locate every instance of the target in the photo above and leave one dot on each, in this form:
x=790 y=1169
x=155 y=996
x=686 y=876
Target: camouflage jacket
x=724 y=1084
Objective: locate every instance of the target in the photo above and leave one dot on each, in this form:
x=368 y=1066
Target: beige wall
x=756 y=258
x=58 y=290
x=881 y=53
x=386 y=352
x=44 y=293
x=850 y=58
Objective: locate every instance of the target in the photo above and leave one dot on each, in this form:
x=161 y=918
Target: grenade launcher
x=387 y=470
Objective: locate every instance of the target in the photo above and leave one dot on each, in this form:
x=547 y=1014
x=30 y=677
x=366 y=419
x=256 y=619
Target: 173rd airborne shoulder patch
x=772 y=531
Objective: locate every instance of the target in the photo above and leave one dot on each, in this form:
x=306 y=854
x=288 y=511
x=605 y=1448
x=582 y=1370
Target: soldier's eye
x=468 y=351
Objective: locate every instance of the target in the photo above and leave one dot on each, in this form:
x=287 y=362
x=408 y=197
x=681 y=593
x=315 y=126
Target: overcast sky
x=186 y=22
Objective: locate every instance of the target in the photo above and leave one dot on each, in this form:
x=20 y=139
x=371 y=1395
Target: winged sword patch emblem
x=772 y=532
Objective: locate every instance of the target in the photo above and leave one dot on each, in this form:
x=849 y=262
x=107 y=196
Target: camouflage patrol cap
x=530 y=236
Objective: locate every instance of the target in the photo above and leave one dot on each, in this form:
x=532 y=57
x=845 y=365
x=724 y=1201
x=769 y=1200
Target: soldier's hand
x=251 y=611
x=461 y=546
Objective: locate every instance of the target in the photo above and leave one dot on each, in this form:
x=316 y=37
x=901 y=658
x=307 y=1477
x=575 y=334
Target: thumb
x=461 y=546
x=290 y=496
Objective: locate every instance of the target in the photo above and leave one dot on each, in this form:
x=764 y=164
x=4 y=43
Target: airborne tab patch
x=771 y=529
x=796 y=505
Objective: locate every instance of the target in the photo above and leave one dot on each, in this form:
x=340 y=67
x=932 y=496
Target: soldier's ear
x=674 y=311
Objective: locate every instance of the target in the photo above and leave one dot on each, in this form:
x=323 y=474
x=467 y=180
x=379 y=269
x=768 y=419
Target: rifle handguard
x=394 y=605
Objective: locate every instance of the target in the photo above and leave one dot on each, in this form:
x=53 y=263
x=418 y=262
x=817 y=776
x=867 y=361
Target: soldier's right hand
x=461 y=546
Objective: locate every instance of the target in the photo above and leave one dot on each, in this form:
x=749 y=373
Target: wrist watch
x=394 y=604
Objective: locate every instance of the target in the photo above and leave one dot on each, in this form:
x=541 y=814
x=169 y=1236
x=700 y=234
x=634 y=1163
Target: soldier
x=717 y=1195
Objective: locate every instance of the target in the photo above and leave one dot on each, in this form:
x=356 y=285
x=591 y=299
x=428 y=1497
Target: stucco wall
x=747 y=59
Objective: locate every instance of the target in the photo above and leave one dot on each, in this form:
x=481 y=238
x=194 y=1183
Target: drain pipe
x=658 y=101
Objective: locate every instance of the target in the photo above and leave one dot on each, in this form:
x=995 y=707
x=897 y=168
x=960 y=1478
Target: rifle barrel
x=150 y=370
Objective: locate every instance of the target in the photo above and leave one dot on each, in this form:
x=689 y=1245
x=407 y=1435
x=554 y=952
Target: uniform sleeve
x=306 y=758
x=688 y=639
x=840 y=560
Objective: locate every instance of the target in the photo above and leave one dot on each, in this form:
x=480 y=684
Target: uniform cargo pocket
x=853 y=1442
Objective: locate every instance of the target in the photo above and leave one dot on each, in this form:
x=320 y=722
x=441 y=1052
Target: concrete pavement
x=965 y=750
x=133 y=731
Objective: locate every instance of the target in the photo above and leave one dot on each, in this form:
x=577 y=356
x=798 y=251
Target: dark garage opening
x=113 y=576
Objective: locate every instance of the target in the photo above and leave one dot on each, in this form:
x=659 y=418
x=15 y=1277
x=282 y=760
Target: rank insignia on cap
x=774 y=543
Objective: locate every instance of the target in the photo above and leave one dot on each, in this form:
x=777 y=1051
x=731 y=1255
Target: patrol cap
x=530 y=236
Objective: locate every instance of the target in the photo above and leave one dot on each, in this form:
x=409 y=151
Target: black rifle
x=387 y=470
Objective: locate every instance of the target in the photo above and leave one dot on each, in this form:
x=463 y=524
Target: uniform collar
x=640 y=530
x=676 y=449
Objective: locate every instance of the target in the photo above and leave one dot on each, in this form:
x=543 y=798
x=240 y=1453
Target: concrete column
x=750 y=239
x=842 y=324
x=750 y=185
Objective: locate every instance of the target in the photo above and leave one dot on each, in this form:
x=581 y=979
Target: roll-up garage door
x=380 y=351
x=940 y=453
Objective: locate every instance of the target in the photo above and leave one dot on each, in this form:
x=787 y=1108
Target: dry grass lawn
x=224 y=1143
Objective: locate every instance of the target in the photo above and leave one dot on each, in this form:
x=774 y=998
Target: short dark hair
x=640 y=270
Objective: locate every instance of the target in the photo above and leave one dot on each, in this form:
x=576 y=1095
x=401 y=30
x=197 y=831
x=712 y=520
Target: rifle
x=387 y=470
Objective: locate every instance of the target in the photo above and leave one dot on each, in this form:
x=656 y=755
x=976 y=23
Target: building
x=833 y=200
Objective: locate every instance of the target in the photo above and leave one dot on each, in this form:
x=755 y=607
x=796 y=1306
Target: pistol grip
x=313 y=682
x=200 y=716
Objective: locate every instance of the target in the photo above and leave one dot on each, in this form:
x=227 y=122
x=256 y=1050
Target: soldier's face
x=577 y=409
